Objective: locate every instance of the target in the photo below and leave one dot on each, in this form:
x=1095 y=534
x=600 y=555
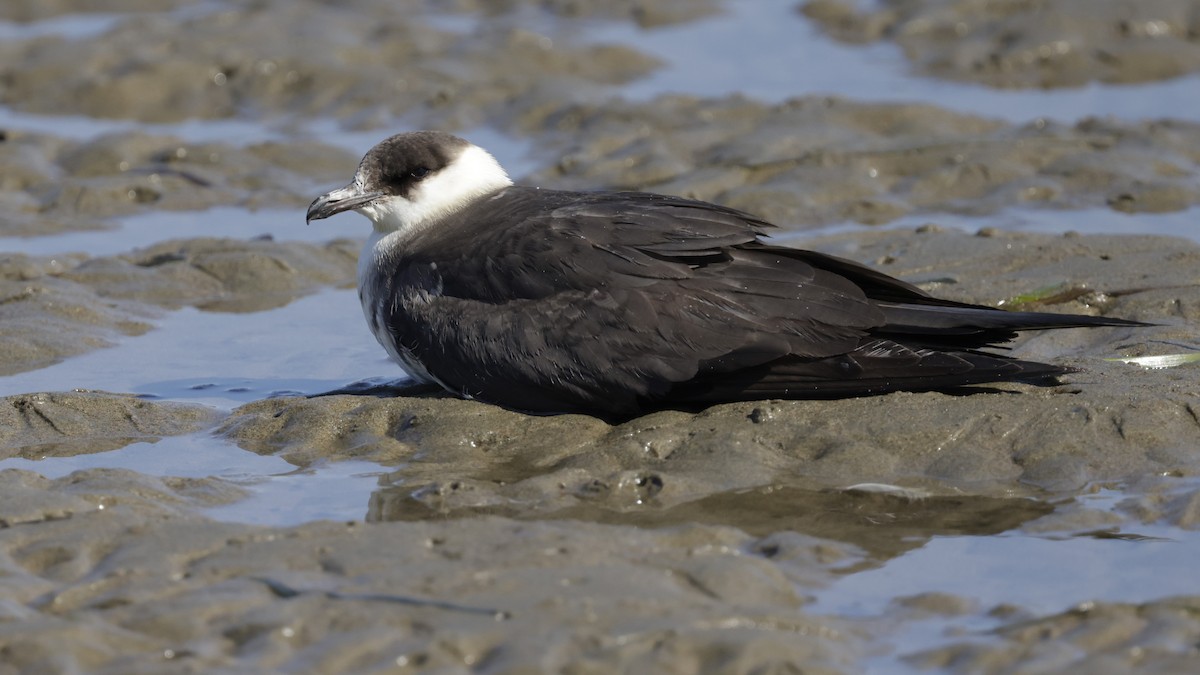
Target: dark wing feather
x=877 y=367
x=608 y=302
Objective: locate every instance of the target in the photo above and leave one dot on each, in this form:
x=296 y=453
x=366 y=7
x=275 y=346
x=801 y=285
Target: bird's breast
x=382 y=289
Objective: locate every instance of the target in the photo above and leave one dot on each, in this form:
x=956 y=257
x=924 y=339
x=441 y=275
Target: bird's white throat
x=473 y=174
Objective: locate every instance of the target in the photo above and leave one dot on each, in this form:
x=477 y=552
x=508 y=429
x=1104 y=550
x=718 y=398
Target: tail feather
x=969 y=318
x=971 y=326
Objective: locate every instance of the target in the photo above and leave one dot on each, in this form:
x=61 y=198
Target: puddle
x=997 y=569
x=145 y=229
x=766 y=51
x=333 y=491
x=281 y=494
x=68 y=26
x=314 y=344
x=993 y=571
x=189 y=456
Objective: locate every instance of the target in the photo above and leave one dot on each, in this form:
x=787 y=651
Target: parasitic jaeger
x=618 y=303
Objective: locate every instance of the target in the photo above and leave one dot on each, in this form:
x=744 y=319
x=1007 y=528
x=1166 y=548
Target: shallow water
x=279 y=493
x=767 y=51
x=1002 y=567
x=320 y=342
x=146 y=229
x=1039 y=574
x=70 y=26
x=1149 y=562
x=225 y=360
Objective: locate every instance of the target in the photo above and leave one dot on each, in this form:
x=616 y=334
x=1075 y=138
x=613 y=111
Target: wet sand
x=498 y=542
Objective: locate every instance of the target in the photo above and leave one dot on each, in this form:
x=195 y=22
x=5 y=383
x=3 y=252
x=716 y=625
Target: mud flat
x=1063 y=43
x=708 y=533
x=499 y=542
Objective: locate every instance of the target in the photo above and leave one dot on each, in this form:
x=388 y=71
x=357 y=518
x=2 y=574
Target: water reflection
x=883 y=525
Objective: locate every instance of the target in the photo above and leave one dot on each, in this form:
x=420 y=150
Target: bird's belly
x=407 y=360
x=374 y=306
x=377 y=322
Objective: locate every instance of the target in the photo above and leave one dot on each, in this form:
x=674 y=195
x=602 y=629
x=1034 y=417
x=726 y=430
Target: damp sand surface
x=172 y=502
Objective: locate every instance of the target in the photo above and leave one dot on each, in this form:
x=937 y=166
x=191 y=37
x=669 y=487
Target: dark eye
x=419 y=172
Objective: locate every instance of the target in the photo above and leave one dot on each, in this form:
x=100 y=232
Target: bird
x=620 y=303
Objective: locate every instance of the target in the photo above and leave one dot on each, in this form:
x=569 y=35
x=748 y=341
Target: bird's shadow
x=403 y=387
x=407 y=388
